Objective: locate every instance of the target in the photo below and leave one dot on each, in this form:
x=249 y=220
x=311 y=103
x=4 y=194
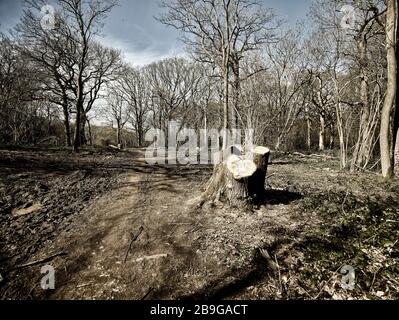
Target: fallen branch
x=114 y=147
x=374 y=277
x=365 y=170
x=148 y=293
x=134 y=238
x=83 y=285
x=156 y=256
x=36 y=262
x=314 y=156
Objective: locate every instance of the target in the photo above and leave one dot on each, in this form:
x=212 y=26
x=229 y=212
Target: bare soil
x=127 y=230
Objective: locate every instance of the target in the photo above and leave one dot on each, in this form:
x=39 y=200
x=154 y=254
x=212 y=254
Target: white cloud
x=147 y=55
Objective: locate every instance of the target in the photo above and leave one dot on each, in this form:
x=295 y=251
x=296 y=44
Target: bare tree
x=351 y=48
x=286 y=81
x=174 y=82
x=220 y=32
x=117 y=111
x=104 y=66
x=52 y=52
x=19 y=84
x=84 y=18
x=135 y=90
x=386 y=145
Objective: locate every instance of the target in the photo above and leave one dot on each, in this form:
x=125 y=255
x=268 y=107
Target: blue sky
x=131 y=26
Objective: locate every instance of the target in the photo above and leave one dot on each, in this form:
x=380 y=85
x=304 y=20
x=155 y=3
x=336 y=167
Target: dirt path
x=150 y=213
x=175 y=250
x=145 y=240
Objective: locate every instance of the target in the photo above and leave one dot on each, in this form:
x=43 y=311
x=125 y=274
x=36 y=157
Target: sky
x=131 y=27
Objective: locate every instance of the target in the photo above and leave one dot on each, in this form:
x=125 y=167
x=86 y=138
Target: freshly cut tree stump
x=239 y=180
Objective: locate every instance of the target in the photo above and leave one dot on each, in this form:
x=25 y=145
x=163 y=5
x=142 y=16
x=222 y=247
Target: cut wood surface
x=240 y=167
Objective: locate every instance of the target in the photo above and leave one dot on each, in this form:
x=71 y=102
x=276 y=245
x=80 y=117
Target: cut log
x=240 y=180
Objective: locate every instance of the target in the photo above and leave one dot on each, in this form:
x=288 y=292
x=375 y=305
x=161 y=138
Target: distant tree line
x=329 y=82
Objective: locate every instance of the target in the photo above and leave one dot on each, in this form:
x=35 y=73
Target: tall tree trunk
x=118 y=134
x=226 y=107
x=387 y=164
x=83 y=122
x=396 y=127
x=79 y=107
x=332 y=136
x=237 y=89
x=48 y=121
x=322 y=132
x=277 y=146
x=341 y=136
x=139 y=134
x=396 y=134
x=90 y=133
x=76 y=143
x=308 y=129
x=396 y=119
x=363 y=148
x=67 y=125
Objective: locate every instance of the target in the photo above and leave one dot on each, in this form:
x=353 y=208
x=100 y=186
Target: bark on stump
x=257 y=181
x=239 y=180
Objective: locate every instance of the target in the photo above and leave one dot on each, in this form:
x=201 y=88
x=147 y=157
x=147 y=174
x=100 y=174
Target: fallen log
x=323 y=156
x=118 y=147
x=156 y=256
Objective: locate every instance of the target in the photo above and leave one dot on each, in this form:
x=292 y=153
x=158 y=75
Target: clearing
x=114 y=227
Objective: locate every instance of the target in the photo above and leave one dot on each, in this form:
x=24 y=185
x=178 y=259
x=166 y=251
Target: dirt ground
x=114 y=227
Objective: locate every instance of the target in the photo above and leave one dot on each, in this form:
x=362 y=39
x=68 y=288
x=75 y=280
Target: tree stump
x=239 y=180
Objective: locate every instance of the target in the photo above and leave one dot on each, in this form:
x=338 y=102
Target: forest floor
x=114 y=227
